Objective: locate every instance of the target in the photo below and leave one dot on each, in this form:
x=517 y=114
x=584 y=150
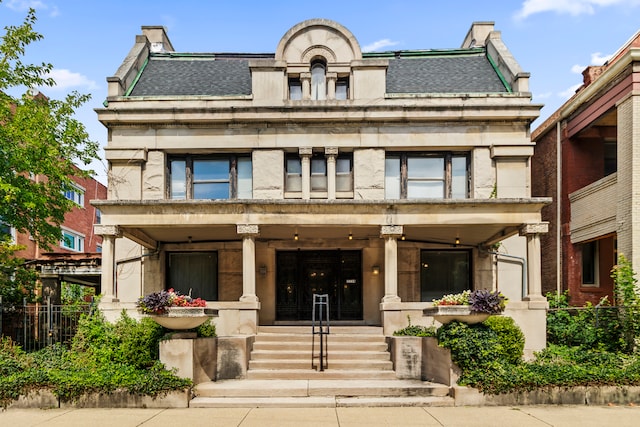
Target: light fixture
x=295 y=236
x=189 y=239
x=375 y=270
x=457 y=242
x=350 y=236
x=262 y=270
x=403 y=236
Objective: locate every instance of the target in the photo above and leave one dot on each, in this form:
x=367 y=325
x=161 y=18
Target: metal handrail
x=318 y=327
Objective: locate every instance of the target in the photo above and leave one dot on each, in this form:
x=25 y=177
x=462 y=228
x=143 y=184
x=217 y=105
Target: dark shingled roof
x=229 y=74
x=194 y=76
x=443 y=74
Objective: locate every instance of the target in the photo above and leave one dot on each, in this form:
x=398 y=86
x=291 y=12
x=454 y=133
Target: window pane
x=425 y=167
x=443 y=272
x=342 y=89
x=211 y=170
x=318 y=183
x=245 y=180
x=211 y=190
x=295 y=90
x=425 y=189
x=343 y=165
x=318 y=166
x=589 y=254
x=459 y=177
x=392 y=178
x=318 y=82
x=178 y=179
x=195 y=273
x=294 y=167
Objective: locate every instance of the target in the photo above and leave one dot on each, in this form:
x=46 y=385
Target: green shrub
x=510 y=337
x=471 y=345
x=207 y=329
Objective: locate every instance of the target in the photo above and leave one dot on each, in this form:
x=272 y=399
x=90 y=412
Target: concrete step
x=352 y=364
x=333 y=346
x=319 y=393
x=329 y=374
x=343 y=338
x=306 y=355
x=319 y=402
x=333 y=330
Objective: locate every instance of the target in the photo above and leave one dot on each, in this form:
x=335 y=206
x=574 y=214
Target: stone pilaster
x=331 y=153
x=109 y=234
x=305 y=159
x=534 y=271
x=390 y=234
x=248 y=233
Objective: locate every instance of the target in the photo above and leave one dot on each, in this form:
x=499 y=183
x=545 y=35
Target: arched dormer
x=318 y=54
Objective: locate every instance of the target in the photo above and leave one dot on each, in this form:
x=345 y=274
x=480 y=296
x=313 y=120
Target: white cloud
x=377 y=45
x=566 y=94
x=578 y=69
x=544 y=95
x=66 y=79
x=598 y=58
x=38 y=5
x=571 y=7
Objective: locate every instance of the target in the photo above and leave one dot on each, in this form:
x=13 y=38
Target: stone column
x=248 y=233
x=305 y=79
x=305 y=154
x=390 y=234
x=534 y=272
x=108 y=283
x=331 y=85
x=331 y=153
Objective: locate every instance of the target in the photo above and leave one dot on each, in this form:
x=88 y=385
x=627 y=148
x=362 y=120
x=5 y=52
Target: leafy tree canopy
x=40 y=141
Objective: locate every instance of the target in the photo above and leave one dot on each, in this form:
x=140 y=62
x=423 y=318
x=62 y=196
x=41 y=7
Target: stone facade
x=342 y=165
x=586 y=159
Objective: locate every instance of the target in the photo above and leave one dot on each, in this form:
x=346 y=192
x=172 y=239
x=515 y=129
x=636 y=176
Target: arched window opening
x=318 y=80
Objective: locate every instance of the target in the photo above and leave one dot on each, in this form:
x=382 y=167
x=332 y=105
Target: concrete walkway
x=523 y=416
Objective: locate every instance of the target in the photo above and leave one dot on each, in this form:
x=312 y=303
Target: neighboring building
x=586 y=158
x=382 y=179
x=77 y=257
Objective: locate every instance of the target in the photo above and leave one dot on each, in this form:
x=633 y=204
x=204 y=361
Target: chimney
x=477 y=35
x=591 y=73
x=157 y=37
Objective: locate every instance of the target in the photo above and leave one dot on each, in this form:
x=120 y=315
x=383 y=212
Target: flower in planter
x=484 y=301
x=481 y=301
x=159 y=302
x=454 y=299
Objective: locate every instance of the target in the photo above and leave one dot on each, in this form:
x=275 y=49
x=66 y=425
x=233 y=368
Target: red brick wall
x=544 y=184
x=79 y=220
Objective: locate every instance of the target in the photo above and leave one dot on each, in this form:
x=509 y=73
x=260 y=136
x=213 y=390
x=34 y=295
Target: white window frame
x=75 y=193
x=78 y=240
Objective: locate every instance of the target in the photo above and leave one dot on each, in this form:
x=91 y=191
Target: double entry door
x=300 y=274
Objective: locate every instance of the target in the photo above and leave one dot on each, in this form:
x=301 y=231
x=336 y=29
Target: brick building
x=77 y=257
x=587 y=158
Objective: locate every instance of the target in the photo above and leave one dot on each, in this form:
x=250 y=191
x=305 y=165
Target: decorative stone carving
x=539 y=228
x=248 y=229
x=391 y=230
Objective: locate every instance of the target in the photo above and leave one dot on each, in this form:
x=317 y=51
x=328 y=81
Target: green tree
x=40 y=141
x=16 y=280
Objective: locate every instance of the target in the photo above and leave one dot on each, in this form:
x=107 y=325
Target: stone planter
x=448 y=313
x=181 y=318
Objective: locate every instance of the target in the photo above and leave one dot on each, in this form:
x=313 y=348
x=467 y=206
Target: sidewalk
x=523 y=416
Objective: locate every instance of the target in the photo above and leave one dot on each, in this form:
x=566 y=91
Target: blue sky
x=554 y=40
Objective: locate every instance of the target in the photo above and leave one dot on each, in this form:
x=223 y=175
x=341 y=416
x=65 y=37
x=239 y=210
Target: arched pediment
x=318 y=37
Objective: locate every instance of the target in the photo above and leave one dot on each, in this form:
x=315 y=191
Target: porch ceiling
x=474 y=222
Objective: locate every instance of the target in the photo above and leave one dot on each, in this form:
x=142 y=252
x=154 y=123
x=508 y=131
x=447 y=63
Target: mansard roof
x=420 y=72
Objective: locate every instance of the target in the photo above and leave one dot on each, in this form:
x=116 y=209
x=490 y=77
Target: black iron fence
x=34 y=326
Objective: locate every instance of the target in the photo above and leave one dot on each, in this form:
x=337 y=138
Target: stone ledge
x=44 y=399
x=618 y=395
